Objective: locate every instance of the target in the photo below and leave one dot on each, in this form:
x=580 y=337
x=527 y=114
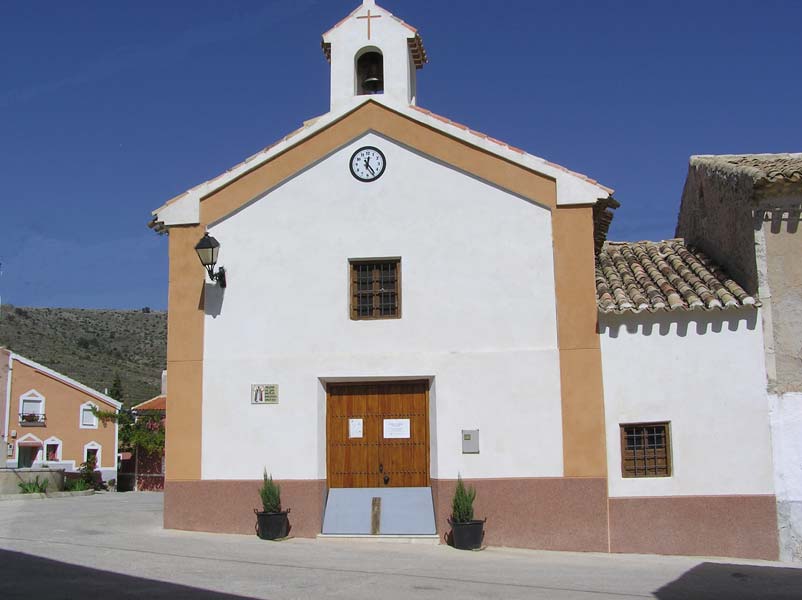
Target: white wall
x=704 y=372
x=786 y=432
x=478 y=316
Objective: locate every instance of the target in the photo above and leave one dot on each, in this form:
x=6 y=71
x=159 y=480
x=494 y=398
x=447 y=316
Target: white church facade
x=406 y=300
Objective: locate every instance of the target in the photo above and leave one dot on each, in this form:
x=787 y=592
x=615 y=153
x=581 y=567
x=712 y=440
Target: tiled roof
x=668 y=275
x=157 y=403
x=764 y=169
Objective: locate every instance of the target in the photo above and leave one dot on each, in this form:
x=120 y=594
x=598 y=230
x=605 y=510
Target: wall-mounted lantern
x=207 y=250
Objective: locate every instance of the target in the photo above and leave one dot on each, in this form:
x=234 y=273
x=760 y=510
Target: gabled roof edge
x=64 y=379
x=580 y=188
x=152 y=400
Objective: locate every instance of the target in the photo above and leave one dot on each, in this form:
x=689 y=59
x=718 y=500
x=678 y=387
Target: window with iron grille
x=645 y=450
x=376 y=288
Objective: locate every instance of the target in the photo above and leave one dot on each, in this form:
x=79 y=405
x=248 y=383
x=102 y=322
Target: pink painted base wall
x=547 y=514
x=737 y=526
x=227 y=506
x=569 y=514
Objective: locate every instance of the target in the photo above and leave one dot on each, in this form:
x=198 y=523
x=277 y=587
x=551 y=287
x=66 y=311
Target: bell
x=373 y=85
x=373 y=82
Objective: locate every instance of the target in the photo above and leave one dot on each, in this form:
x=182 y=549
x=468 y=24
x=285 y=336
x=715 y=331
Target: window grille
x=645 y=450
x=375 y=289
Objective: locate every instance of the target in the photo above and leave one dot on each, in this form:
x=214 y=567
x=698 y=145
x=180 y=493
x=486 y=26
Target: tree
x=143 y=429
x=116 y=390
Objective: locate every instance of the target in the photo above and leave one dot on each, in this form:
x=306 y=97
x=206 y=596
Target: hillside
x=91 y=346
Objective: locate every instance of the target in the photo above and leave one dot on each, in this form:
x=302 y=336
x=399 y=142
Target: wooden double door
x=378 y=434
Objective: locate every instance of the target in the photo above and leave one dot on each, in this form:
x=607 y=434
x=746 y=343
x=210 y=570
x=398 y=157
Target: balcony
x=32 y=420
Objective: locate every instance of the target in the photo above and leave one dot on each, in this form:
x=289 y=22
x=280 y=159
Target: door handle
x=381 y=468
x=386 y=479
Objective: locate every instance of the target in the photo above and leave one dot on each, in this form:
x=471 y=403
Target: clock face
x=368 y=163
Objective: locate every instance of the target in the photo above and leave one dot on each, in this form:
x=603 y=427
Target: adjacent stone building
x=744 y=212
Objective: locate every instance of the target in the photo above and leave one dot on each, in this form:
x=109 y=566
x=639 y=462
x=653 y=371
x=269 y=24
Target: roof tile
x=638 y=276
x=155 y=403
x=764 y=169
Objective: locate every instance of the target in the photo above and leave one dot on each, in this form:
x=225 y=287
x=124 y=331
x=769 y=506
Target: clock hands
x=367 y=163
x=368 y=167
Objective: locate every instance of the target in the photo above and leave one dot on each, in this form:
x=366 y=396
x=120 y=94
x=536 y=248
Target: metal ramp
x=402 y=512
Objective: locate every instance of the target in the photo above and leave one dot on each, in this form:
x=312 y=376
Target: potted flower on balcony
x=467 y=533
x=271 y=523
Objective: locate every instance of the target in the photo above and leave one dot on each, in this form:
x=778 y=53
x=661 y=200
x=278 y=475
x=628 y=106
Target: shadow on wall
x=36 y=577
x=781 y=218
x=677 y=323
x=212 y=299
x=713 y=581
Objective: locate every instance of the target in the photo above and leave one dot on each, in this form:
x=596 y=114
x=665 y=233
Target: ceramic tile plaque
x=264 y=393
x=354 y=428
x=396 y=428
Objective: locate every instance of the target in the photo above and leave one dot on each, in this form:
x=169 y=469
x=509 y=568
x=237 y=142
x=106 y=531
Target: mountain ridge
x=92 y=346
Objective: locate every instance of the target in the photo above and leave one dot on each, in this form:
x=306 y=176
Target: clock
x=368 y=163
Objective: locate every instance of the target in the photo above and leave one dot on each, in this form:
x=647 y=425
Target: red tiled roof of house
x=157 y=403
x=668 y=275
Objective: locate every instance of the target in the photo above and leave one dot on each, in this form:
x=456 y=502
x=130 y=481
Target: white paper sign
x=396 y=428
x=354 y=428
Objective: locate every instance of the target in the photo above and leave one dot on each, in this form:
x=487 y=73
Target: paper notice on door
x=354 y=428
x=396 y=428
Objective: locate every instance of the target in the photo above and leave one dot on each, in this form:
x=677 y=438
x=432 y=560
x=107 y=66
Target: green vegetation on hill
x=92 y=346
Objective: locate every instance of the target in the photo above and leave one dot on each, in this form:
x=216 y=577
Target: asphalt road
x=113 y=546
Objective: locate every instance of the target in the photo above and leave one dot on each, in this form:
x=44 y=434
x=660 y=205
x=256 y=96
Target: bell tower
x=373 y=52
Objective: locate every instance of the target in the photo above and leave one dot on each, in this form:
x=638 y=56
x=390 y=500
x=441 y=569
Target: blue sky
x=109 y=108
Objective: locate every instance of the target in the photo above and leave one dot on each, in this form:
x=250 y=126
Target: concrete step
x=431 y=540
x=404 y=512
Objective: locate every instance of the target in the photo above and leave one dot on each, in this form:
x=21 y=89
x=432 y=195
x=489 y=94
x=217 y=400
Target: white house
x=406 y=300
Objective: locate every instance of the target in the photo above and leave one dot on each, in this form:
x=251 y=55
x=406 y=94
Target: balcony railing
x=32 y=419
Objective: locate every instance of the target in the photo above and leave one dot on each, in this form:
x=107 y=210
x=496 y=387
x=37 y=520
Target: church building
x=397 y=300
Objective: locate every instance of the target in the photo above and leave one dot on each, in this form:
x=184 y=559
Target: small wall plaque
x=396 y=428
x=470 y=441
x=354 y=428
x=264 y=393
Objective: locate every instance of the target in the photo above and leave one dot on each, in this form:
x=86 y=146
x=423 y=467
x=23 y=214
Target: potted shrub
x=466 y=532
x=271 y=522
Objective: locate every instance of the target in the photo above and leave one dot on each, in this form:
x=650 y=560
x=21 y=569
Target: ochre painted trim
x=185 y=323
x=380 y=119
x=584 y=445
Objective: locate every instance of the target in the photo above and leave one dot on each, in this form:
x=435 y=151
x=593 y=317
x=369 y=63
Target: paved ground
x=113 y=546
